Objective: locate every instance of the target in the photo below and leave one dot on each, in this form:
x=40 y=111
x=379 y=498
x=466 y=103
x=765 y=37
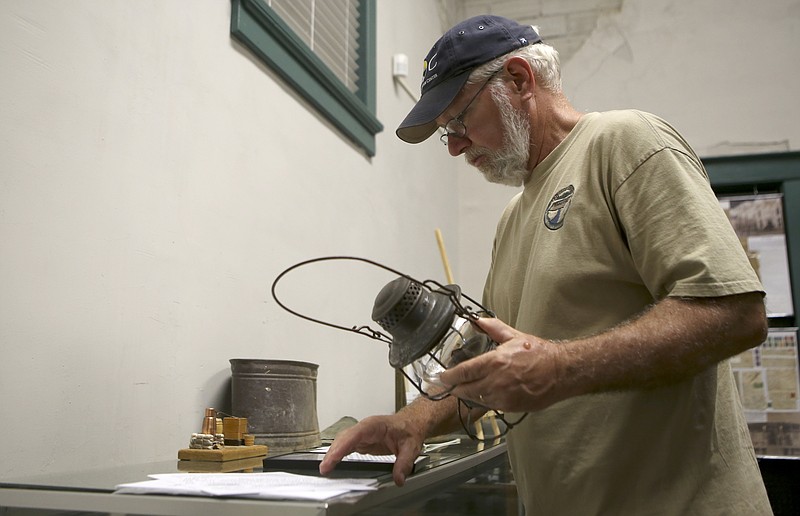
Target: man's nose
x=456 y=145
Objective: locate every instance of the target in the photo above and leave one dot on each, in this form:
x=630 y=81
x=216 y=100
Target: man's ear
x=522 y=78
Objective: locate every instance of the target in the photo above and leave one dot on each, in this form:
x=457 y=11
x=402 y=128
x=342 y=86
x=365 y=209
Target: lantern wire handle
x=464 y=311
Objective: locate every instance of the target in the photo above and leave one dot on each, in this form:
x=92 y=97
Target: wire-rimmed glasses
x=455 y=126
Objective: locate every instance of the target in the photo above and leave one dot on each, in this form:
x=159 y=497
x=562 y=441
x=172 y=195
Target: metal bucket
x=279 y=400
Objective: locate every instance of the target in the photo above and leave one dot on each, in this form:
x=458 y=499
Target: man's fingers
x=330 y=460
x=496 y=329
x=404 y=463
x=344 y=444
x=464 y=372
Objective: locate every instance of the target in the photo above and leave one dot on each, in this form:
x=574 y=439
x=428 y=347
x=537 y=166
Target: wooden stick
x=447 y=272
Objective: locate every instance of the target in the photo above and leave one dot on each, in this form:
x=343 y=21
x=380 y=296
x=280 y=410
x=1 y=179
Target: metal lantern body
x=427 y=332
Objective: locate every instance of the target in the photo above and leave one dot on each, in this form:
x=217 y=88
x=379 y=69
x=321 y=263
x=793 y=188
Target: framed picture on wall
x=758 y=221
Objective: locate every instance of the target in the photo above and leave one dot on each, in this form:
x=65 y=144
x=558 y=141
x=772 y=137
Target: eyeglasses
x=455 y=127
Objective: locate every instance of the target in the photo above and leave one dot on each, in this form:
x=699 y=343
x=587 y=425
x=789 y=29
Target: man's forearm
x=674 y=340
x=438 y=417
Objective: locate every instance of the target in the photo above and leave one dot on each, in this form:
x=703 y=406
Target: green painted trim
x=257 y=27
x=367 y=84
x=753 y=169
x=778 y=170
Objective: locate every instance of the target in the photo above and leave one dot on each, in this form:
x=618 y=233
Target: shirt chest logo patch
x=557 y=208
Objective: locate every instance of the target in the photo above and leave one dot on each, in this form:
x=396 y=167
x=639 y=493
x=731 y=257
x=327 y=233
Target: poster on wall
x=758 y=221
x=767 y=379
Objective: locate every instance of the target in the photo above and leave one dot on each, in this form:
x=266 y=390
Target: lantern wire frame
x=464 y=311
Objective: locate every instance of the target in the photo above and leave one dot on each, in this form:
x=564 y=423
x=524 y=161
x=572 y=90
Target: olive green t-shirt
x=619 y=216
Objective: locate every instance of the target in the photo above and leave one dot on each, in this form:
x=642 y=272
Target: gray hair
x=544 y=61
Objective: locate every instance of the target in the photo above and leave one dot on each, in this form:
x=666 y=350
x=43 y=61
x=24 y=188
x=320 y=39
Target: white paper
x=427 y=448
x=270 y=485
x=359 y=457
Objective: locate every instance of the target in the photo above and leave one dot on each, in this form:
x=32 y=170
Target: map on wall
x=767 y=379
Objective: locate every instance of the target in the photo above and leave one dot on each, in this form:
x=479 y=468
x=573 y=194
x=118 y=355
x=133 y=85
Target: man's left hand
x=521 y=375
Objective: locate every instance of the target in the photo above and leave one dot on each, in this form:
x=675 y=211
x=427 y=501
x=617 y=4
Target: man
x=619 y=288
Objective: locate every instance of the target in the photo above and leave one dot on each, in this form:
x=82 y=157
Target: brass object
x=209 y=422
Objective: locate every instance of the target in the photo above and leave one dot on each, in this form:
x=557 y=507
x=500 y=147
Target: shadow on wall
x=219 y=385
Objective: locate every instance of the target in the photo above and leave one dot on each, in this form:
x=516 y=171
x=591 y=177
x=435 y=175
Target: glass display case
x=466 y=475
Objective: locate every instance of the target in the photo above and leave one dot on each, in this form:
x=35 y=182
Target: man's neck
x=557 y=118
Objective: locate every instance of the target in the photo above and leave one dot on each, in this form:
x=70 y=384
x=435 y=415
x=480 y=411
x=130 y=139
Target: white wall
x=723 y=72
x=154 y=180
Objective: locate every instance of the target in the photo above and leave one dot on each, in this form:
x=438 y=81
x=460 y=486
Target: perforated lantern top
x=415 y=317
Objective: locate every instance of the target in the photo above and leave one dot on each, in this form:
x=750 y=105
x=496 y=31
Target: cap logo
x=430 y=65
x=557 y=208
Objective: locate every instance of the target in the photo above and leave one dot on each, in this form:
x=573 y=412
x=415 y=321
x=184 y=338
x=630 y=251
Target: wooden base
x=230 y=466
x=225 y=454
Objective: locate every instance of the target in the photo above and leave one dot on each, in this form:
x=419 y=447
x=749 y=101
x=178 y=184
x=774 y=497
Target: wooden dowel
x=447 y=272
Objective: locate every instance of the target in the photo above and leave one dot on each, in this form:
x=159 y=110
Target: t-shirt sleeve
x=679 y=237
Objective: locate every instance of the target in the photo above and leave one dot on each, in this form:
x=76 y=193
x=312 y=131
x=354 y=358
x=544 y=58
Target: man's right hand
x=378 y=435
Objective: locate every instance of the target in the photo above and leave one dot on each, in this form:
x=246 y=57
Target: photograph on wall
x=758 y=221
x=767 y=379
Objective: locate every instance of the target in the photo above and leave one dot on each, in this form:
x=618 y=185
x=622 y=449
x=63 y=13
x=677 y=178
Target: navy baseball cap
x=460 y=50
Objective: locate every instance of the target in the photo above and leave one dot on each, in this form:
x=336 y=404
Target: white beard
x=507 y=166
